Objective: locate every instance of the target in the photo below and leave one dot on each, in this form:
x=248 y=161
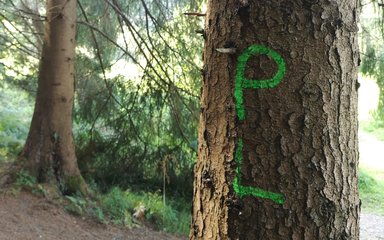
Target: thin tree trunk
x=379 y=114
x=278 y=150
x=49 y=150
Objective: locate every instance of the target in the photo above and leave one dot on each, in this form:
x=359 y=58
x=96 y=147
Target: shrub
x=121 y=205
x=15 y=117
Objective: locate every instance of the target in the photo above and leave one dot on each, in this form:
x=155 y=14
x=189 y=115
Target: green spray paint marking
x=243 y=83
x=248 y=190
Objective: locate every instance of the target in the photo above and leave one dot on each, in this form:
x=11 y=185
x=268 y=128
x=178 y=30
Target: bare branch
x=196 y=14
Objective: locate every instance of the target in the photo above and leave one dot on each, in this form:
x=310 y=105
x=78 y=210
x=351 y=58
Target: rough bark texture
x=49 y=150
x=299 y=138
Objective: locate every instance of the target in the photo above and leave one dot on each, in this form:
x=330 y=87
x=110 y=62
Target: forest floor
x=28 y=217
x=371 y=159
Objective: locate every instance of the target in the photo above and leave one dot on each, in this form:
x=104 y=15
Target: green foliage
x=374 y=127
x=366 y=182
x=372 y=51
x=19 y=44
x=127 y=124
x=27 y=182
x=74 y=185
x=371 y=192
x=368 y=65
x=121 y=205
x=97 y=213
x=40 y=190
x=117 y=207
x=80 y=206
x=24 y=179
x=15 y=114
x=76 y=205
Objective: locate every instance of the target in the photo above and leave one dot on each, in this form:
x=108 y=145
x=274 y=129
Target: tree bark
x=49 y=150
x=278 y=150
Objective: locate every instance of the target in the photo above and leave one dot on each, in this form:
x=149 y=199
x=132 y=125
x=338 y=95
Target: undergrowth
x=119 y=207
x=371 y=193
x=125 y=207
x=15 y=116
x=122 y=205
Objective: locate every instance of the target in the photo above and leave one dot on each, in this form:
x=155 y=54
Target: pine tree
x=277 y=154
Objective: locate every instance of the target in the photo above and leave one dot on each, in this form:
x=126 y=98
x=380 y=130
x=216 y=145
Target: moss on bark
x=75 y=184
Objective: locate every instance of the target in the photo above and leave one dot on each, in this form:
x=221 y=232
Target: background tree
x=136 y=61
x=277 y=154
x=49 y=151
x=372 y=57
x=154 y=101
x=137 y=83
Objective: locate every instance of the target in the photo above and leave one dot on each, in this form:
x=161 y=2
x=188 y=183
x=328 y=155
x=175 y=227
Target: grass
x=371 y=180
x=374 y=127
x=371 y=192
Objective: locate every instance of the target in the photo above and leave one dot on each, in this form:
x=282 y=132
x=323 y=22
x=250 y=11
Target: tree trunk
x=379 y=114
x=278 y=150
x=49 y=150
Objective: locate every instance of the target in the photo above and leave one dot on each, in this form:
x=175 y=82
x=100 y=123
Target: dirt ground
x=371 y=227
x=27 y=217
